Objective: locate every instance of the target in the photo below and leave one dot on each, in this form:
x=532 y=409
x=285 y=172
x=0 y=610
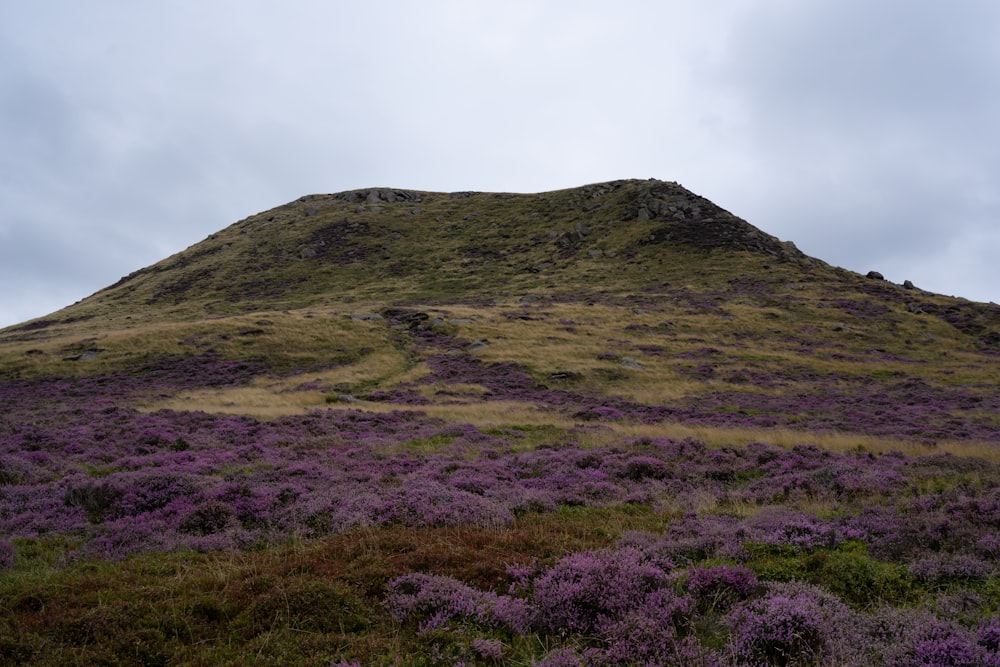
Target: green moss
x=429 y=445
x=846 y=571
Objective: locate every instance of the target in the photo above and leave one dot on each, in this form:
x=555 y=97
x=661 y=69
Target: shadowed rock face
x=695 y=221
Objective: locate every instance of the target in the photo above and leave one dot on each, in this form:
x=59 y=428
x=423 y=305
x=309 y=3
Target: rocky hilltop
x=403 y=244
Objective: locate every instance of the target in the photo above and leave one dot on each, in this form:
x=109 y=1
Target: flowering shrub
x=721 y=586
x=655 y=632
x=626 y=606
x=917 y=639
x=586 y=591
x=795 y=624
x=437 y=600
x=561 y=657
x=943 y=568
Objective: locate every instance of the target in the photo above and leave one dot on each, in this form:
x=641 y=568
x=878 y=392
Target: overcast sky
x=865 y=131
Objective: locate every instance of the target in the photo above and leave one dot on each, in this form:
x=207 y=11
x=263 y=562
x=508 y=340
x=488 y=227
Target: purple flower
x=795 y=624
x=585 y=591
x=490 y=649
x=561 y=657
x=720 y=586
x=438 y=599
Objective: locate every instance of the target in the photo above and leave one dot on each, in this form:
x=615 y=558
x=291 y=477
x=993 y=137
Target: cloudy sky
x=867 y=132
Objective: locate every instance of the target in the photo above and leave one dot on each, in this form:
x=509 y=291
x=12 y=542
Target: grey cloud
x=873 y=124
x=863 y=132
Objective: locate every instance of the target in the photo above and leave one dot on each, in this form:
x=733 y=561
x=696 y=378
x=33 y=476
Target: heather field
x=379 y=530
x=724 y=465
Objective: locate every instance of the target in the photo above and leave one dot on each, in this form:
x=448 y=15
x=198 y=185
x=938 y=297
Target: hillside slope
x=625 y=242
x=607 y=425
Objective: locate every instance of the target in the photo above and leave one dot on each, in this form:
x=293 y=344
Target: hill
x=613 y=424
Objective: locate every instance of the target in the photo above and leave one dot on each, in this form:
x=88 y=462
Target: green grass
x=847 y=571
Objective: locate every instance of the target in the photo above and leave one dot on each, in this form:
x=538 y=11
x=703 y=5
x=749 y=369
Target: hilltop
x=600 y=425
x=625 y=244
x=391 y=244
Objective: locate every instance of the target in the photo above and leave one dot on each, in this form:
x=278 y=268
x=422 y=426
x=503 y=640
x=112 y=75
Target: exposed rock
x=478 y=345
x=85 y=355
x=409 y=319
x=366 y=317
x=376 y=195
x=874 y=275
x=687 y=219
x=908 y=285
x=629 y=362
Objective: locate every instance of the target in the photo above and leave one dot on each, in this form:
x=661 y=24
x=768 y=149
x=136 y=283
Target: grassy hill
x=613 y=424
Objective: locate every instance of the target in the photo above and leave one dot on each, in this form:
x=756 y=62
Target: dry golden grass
x=267 y=401
x=259 y=402
x=788 y=438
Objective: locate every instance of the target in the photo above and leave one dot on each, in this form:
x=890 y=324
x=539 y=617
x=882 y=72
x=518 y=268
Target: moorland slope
x=614 y=424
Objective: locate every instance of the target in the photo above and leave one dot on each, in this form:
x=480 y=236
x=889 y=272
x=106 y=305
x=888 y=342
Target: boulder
x=629 y=362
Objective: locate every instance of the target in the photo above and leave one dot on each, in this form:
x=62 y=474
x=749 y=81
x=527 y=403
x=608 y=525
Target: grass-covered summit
x=609 y=425
x=394 y=245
